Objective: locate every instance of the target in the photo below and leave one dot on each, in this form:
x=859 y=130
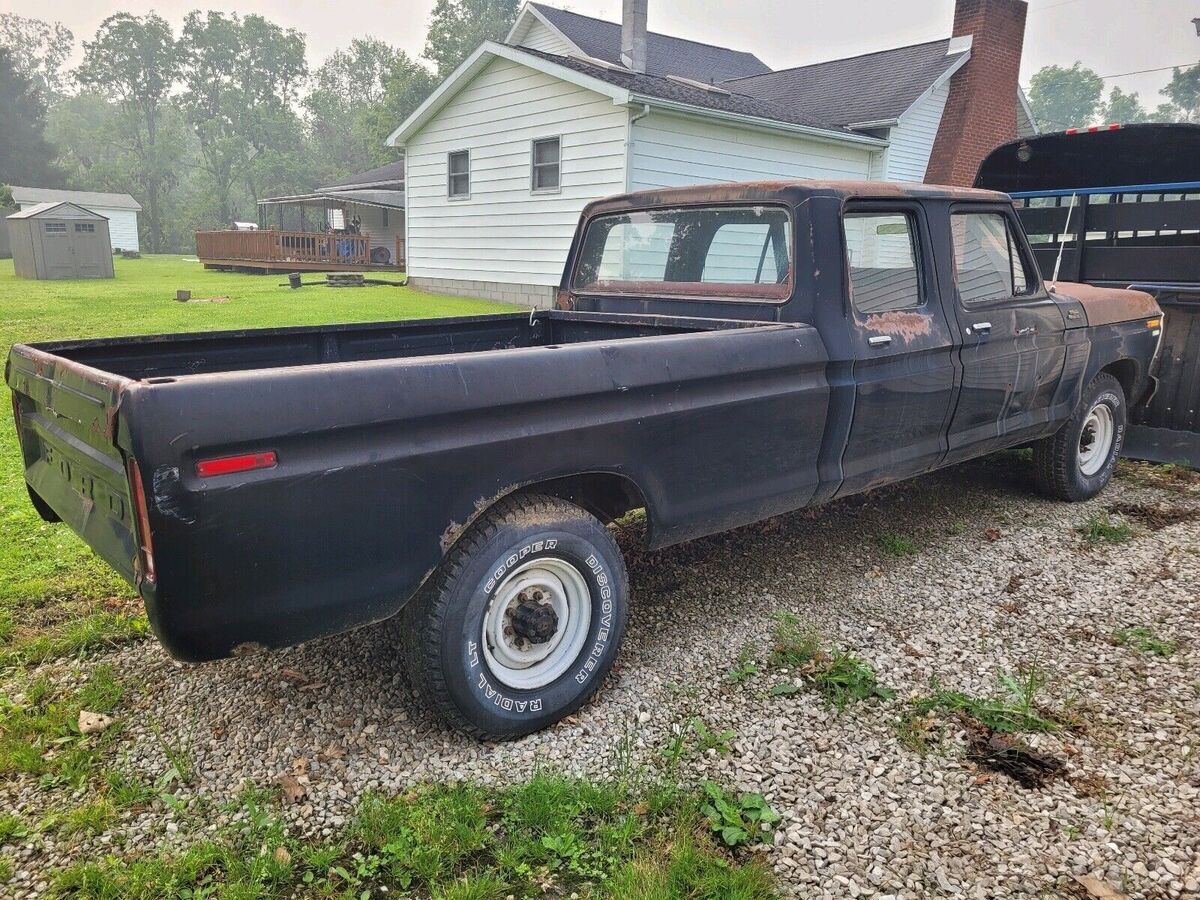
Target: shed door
x=57 y=257
x=91 y=250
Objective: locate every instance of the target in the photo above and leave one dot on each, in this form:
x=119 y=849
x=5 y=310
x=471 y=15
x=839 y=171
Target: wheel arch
x=1128 y=373
x=607 y=495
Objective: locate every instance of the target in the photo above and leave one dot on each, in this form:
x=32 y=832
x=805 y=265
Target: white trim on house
x=1027 y=110
x=520 y=29
x=474 y=64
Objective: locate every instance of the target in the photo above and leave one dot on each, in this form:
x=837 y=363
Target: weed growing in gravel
x=91 y=818
x=744 y=820
x=744 y=666
x=1014 y=708
x=898 y=545
x=7 y=869
x=838 y=675
x=1144 y=639
x=550 y=836
x=1099 y=529
x=706 y=739
x=39 y=734
x=793 y=645
x=12 y=828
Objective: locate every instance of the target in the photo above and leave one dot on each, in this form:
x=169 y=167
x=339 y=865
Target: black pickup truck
x=719 y=355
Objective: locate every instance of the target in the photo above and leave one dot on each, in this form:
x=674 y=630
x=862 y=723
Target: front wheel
x=521 y=622
x=1077 y=462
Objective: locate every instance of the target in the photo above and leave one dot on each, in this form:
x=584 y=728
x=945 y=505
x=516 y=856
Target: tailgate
x=66 y=414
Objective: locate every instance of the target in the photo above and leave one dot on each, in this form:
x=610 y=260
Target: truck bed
x=172 y=356
x=385 y=440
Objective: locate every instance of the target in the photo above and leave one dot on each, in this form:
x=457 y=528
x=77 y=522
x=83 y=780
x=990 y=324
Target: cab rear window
x=738 y=252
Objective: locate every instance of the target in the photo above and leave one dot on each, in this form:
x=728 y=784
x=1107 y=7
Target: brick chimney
x=633 y=34
x=981 y=110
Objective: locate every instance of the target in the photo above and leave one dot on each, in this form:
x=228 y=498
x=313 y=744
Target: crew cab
x=717 y=355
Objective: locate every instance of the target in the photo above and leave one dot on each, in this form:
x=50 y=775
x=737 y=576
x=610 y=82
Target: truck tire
x=521 y=622
x=1076 y=462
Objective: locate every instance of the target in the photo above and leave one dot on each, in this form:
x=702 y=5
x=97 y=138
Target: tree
x=241 y=78
x=347 y=90
x=135 y=63
x=1184 y=92
x=24 y=153
x=39 y=49
x=457 y=27
x=407 y=86
x=1123 y=108
x=1065 y=98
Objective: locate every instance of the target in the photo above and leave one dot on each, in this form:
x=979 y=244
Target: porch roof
x=384 y=199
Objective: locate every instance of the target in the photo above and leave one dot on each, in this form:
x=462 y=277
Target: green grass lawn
x=55 y=596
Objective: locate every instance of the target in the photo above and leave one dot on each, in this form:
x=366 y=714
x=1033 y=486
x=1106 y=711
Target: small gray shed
x=60 y=240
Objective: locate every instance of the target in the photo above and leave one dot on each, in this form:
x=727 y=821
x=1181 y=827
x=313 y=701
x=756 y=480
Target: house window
x=546 y=167
x=385 y=218
x=459 y=174
x=54 y=227
x=336 y=219
x=84 y=226
x=987 y=262
x=883 y=262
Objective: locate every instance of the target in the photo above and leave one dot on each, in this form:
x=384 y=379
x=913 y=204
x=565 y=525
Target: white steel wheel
x=536 y=623
x=1096 y=439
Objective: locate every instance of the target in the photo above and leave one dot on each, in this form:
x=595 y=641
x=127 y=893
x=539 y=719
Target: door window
x=987 y=262
x=882 y=255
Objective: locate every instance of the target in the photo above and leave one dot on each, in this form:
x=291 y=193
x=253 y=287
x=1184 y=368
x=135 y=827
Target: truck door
x=1010 y=331
x=902 y=345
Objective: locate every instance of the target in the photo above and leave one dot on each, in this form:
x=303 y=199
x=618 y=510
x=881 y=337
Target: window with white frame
x=458 y=178
x=54 y=227
x=84 y=227
x=546 y=164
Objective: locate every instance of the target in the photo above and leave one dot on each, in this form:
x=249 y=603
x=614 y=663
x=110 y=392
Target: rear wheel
x=1077 y=461
x=522 y=621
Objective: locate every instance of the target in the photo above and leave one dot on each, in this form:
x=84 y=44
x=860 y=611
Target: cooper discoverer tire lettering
x=521 y=622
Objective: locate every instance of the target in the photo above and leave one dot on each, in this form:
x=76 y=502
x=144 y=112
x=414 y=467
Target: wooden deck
x=292 y=251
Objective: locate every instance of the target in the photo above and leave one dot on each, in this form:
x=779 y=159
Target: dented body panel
x=712 y=410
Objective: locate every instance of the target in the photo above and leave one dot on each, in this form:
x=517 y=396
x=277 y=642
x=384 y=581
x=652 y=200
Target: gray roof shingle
x=873 y=87
x=665 y=55
x=385 y=174
x=666 y=89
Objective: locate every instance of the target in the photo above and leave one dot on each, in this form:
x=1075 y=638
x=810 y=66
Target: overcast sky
x=1113 y=37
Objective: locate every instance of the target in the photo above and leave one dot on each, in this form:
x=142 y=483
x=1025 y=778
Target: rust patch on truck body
x=908 y=326
x=1107 y=306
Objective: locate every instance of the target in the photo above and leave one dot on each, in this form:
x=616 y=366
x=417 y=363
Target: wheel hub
x=533 y=620
x=1096 y=440
x=536 y=623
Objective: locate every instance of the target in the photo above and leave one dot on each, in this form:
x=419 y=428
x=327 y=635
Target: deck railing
x=284 y=247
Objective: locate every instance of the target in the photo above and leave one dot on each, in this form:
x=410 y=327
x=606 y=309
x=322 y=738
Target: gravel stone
x=1003 y=580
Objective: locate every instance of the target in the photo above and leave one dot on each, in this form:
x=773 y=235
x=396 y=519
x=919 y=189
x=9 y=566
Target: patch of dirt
x=1155 y=518
x=1010 y=755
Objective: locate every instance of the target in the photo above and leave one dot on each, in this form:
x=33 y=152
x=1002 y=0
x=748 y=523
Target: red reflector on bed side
x=244 y=462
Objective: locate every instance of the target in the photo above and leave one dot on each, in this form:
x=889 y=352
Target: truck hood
x=1104 y=306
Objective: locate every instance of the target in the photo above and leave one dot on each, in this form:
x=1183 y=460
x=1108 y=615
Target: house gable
x=503 y=231
x=533 y=30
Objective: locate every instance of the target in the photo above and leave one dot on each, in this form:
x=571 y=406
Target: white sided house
x=502 y=157
x=121 y=210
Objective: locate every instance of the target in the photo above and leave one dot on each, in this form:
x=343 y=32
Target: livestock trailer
x=60 y=240
x=1120 y=206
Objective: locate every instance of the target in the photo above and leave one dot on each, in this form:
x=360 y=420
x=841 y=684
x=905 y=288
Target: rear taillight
x=243 y=462
x=141 y=514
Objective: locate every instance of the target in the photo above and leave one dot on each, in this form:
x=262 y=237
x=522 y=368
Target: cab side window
x=988 y=265
x=882 y=253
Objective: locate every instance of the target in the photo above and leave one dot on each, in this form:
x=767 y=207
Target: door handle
x=980 y=327
x=880 y=340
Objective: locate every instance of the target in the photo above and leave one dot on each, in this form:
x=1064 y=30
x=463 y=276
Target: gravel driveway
x=1000 y=580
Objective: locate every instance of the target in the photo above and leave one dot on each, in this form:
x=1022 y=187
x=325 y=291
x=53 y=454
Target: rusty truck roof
x=791 y=192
